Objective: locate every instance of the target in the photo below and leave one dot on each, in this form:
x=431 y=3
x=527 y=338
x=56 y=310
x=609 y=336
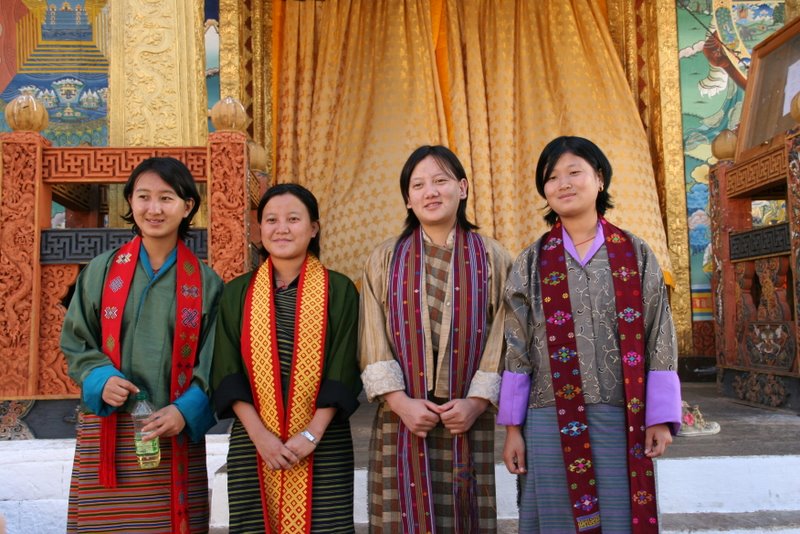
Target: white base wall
x=36 y=476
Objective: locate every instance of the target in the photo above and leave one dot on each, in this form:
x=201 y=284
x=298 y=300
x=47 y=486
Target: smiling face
x=434 y=194
x=156 y=208
x=572 y=187
x=287 y=228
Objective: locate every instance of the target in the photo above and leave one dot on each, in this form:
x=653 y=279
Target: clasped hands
x=279 y=455
x=422 y=415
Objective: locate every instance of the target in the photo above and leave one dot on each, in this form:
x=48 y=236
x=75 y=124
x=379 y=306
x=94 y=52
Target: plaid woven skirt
x=544 y=504
x=141 y=500
x=384 y=500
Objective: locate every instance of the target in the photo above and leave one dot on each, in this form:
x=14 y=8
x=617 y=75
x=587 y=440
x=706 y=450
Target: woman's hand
x=514 y=451
x=458 y=415
x=166 y=422
x=300 y=446
x=274 y=453
x=656 y=440
x=116 y=391
x=419 y=415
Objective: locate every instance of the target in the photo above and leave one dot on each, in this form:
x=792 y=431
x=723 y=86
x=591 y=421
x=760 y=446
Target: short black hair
x=584 y=149
x=449 y=163
x=303 y=195
x=177 y=176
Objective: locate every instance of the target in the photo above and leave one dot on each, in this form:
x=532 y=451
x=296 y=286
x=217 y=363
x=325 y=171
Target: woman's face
x=157 y=209
x=434 y=194
x=571 y=188
x=286 y=227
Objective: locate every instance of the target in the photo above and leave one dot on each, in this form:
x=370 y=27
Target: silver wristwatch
x=309 y=436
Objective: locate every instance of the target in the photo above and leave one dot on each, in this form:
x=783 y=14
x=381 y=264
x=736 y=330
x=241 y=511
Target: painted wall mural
x=212 y=54
x=56 y=52
x=715 y=38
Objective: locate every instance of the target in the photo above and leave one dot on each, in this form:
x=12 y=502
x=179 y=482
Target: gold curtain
x=645 y=35
x=361 y=84
x=357 y=92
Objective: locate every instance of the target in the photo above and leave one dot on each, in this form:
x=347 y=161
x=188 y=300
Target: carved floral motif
x=229 y=196
x=56 y=282
x=17 y=256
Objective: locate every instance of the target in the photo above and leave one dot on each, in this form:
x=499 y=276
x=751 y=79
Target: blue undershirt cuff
x=195 y=408
x=92 y=389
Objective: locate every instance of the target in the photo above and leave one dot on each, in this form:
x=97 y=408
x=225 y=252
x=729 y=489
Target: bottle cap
x=142 y=395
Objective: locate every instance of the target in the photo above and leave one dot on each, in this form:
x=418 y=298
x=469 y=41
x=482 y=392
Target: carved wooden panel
x=762 y=172
x=229 y=202
x=760 y=388
x=793 y=210
x=18 y=256
x=766 y=331
x=766 y=241
x=80 y=245
x=113 y=165
x=53 y=379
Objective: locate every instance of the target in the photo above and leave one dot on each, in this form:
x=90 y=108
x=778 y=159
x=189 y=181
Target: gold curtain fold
x=359 y=89
x=524 y=73
x=645 y=35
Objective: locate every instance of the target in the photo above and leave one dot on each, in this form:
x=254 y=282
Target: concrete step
x=773 y=522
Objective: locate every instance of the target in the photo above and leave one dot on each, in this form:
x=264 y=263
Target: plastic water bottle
x=147 y=452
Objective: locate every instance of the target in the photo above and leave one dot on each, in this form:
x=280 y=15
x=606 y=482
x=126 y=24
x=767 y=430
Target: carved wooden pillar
x=24 y=209
x=793 y=212
x=727 y=215
x=229 y=193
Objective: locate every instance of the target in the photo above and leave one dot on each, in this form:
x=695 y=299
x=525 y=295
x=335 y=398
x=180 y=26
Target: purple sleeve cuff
x=515 y=389
x=663 y=399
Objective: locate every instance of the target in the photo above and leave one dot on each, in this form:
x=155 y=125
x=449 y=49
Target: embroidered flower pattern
x=629 y=315
x=616 y=238
x=563 y=354
x=568 y=392
x=559 y=318
x=586 y=502
x=116 y=284
x=637 y=451
x=632 y=358
x=554 y=278
x=635 y=405
x=574 y=428
x=624 y=274
x=124 y=258
x=552 y=243
x=190 y=291
x=110 y=312
x=642 y=497
x=688 y=418
x=189 y=317
x=580 y=466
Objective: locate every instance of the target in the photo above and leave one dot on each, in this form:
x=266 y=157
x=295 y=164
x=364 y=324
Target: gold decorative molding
x=156 y=81
x=157 y=84
x=645 y=37
x=792 y=9
x=230 y=58
x=668 y=140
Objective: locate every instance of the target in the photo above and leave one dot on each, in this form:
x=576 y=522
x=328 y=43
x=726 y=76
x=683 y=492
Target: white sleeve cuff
x=486 y=386
x=382 y=377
